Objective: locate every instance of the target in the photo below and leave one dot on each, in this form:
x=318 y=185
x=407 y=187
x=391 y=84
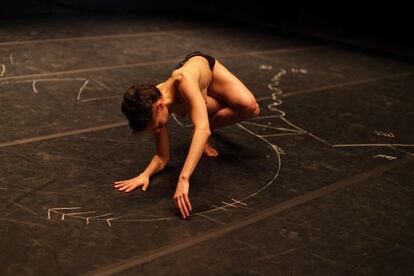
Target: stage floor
x=320 y=183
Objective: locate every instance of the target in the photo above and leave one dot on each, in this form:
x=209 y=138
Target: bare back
x=197 y=67
x=219 y=87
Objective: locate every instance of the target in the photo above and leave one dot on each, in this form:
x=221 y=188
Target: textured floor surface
x=319 y=184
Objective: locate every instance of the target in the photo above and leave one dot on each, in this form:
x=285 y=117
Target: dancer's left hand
x=181 y=199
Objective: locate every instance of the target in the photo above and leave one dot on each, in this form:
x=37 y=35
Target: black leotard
x=210 y=59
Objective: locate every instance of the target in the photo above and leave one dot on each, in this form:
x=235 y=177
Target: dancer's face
x=160 y=116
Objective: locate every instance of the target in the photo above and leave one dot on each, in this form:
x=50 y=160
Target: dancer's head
x=144 y=107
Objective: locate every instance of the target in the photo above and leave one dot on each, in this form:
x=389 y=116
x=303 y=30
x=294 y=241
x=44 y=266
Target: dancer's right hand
x=131 y=184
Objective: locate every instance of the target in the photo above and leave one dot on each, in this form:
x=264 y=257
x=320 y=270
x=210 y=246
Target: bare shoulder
x=186 y=72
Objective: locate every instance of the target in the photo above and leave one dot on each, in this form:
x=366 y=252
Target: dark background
x=380 y=26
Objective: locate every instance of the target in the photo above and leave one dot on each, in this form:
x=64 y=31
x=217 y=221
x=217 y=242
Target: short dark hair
x=137 y=105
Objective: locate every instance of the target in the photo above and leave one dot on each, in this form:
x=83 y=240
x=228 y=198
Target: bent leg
x=224 y=117
x=241 y=103
x=221 y=114
x=228 y=116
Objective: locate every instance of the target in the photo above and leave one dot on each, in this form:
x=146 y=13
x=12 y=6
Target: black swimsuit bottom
x=210 y=59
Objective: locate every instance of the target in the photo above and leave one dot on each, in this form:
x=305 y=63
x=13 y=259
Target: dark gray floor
x=320 y=183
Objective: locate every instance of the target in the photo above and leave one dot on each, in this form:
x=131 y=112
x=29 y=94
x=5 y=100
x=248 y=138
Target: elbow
x=164 y=160
x=163 y=165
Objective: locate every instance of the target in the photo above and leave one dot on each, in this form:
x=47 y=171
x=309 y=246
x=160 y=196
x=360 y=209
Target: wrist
x=143 y=174
x=184 y=177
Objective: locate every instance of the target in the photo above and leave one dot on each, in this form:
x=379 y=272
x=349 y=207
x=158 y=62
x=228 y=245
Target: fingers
x=131 y=187
x=144 y=187
x=130 y=184
x=182 y=202
x=184 y=207
x=119 y=185
x=187 y=200
x=180 y=208
x=127 y=186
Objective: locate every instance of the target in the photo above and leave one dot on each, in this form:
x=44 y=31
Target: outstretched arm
x=190 y=91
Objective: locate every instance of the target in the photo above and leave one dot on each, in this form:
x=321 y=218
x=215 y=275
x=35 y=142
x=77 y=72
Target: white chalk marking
x=273 y=87
x=373 y=145
x=239 y=202
x=304 y=131
x=404 y=151
x=89 y=218
x=148 y=220
x=288 y=129
x=384 y=134
x=229 y=204
x=295 y=70
x=102 y=84
x=273 y=106
x=100 y=98
x=279 y=149
x=278 y=166
x=265 y=117
x=209 y=218
x=234 y=204
x=54 y=79
x=34 y=86
x=109 y=221
x=179 y=123
x=40 y=80
x=79 y=213
x=220 y=208
x=64 y=208
x=385 y=156
x=270 y=127
x=81 y=89
x=62 y=134
x=265 y=67
x=11 y=59
x=3 y=70
x=282 y=134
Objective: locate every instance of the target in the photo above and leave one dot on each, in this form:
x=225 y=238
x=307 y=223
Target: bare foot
x=210 y=151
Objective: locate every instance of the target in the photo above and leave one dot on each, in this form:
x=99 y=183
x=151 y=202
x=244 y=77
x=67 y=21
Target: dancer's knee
x=250 y=109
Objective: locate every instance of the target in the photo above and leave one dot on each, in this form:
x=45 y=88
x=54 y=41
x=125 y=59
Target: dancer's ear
x=160 y=105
